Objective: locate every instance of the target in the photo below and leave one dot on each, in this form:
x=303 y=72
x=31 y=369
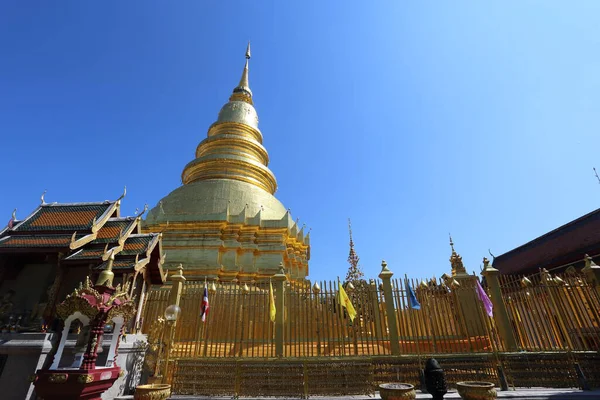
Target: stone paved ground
x=535 y=393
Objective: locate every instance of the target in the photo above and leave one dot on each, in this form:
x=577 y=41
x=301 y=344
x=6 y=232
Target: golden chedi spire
x=233 y=148
x=242 y=92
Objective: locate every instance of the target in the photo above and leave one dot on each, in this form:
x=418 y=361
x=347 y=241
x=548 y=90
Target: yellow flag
x=272 y=309
x=345 y=302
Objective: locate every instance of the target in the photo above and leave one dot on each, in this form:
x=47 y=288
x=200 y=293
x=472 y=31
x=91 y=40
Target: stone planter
x=472 y=390
x=397 y=391
x=154 y=391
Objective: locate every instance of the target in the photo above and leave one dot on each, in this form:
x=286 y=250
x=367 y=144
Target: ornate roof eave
x=77 y=243
x=114 y=207
x=140 y=264
x=113 y=250
x=130 y=228
x=16 y=224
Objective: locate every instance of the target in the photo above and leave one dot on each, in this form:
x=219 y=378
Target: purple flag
x=487 y=304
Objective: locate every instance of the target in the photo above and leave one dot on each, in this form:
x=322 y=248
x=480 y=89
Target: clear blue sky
x=414 y=119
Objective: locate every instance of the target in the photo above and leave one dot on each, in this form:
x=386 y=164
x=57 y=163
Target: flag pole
x=412 y=322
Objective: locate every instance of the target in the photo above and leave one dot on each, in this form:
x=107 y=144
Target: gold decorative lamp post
x=161 y=391
x=171 y=314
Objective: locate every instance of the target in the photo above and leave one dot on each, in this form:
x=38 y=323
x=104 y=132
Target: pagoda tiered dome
x=213 y=199
x=230 y=172
x=224 y=221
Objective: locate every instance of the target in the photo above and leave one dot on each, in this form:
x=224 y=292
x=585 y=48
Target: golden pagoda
x=224 y=221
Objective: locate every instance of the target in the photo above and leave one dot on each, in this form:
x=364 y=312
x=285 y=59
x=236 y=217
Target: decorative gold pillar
x=386 y=277
x=592 y=272
x=500 y=314
x=177 y=286
x=375 y=306
x=279 y=279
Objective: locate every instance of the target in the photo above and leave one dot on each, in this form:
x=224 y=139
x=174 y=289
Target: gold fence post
x=592 y=272
x=386 y=277
x=500 y=314
x=174 y=299
x=375 y=307
x=279 y=279
x=177 y=286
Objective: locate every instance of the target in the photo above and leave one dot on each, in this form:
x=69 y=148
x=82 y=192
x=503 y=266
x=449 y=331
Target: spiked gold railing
x=315 y=325
x=555 y=319
x=553 y=313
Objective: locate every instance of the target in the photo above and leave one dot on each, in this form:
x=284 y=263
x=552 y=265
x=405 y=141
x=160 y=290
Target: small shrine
x=94 y=309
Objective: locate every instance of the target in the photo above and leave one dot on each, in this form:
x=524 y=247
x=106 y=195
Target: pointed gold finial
x=107 y=275
x=43 y=201
x=456 y=261
x=316 y=288
x=242 y=91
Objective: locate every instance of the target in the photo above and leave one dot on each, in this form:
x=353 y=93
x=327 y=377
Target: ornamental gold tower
x=224 y=221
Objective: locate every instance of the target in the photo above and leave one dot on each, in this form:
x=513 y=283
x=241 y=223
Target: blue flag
x=412 y=298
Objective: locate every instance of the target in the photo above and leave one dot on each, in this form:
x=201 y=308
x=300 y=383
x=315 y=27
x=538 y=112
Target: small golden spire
x=243 y=88
x=456 y=261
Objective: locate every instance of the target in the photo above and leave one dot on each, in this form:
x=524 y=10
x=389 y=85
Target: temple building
x=224 y=222
x=556 y=250
x=44 y=256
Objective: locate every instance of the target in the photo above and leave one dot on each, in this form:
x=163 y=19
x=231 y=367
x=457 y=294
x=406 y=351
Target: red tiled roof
x=560 y=247
x=110 y=231
x=36 y=241
x=53 y=217
x=137 y=244
x=118 y=264
x=86 y=254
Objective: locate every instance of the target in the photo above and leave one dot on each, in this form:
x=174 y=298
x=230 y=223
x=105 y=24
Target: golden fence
x=450 y=320
x=553 y=313
x=553 y=324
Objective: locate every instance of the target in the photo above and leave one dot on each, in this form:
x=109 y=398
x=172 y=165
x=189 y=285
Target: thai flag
x=204 y=308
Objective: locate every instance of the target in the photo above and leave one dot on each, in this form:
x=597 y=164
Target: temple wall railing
x=560 y=314
x=544 y=332
x=315 y=325
x=553 y=313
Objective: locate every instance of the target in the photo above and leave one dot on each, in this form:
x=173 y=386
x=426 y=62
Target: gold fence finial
x=316 y=288
x=384 y=266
